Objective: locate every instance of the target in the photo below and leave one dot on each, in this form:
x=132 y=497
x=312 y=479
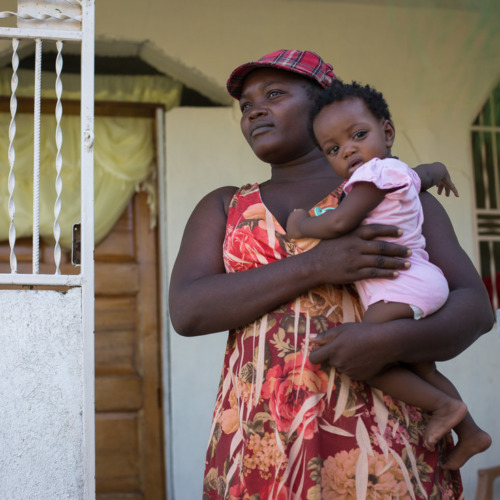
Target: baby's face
x=350 y=135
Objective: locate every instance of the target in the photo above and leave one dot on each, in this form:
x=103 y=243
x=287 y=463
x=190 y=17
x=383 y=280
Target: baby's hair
x=340 y=91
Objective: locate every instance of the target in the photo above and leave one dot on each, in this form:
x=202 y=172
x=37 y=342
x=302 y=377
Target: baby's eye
x=360 y=134
x=333 y=150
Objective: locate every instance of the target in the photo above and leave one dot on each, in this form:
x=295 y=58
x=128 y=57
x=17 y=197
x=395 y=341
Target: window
x=485 y=138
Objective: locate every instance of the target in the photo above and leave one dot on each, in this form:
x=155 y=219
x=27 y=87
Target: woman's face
x=275 y=112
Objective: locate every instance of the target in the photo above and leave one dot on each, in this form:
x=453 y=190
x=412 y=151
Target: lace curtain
x=124 y=153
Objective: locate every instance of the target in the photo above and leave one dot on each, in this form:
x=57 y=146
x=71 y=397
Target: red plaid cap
x=305 y=63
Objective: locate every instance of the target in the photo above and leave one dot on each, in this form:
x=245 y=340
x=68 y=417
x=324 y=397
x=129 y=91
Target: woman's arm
x=204 y=298
x=363 y=349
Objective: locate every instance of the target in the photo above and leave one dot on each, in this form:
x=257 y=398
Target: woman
x=291 y=421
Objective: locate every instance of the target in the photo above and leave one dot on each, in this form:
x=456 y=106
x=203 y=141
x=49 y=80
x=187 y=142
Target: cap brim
x=237 y=77
x=235 y=81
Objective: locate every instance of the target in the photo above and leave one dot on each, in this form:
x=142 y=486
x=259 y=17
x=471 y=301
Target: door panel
x=129 y=442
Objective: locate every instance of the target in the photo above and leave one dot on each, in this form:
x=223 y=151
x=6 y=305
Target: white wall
x=195 y=364
x=41 y=392
x=222 y=157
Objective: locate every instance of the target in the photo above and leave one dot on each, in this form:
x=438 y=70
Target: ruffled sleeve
x=385 y=174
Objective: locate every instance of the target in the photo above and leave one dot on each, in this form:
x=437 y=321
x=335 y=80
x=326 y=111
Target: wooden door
x=129 y=438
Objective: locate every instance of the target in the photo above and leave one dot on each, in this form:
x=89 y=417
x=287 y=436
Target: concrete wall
x=436 y=68
x=41 y=393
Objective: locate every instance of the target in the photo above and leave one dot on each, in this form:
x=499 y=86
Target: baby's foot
x=443 y=420
x=467 y=446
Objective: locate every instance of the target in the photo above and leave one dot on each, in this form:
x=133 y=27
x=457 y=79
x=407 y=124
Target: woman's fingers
x=372 y=231
x=358 y=255
x=355 y=349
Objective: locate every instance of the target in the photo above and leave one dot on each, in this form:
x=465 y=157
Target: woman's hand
x=360 y=255
x=355 y=349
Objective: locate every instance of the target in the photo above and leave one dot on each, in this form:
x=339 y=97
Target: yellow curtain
x=124 y=154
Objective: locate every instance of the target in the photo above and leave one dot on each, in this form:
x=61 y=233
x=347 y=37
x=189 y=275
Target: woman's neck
x=312 y=165
x=298 y=184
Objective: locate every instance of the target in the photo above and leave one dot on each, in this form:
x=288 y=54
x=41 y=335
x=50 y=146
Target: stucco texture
x=41 y=394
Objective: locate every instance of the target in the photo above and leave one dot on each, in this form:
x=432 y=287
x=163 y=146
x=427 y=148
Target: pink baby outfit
x=423 y=285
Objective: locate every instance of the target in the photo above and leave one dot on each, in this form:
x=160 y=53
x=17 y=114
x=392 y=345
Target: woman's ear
x=389 y=132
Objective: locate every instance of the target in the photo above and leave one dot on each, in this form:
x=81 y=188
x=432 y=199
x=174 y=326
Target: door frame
x=161 y=165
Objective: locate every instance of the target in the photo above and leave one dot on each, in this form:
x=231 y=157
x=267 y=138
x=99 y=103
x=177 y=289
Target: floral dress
x=284 y=428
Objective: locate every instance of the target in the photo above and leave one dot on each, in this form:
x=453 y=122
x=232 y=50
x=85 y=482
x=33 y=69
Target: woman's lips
x=260 y=128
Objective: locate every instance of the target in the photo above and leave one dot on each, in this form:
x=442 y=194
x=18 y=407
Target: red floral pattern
x=284 y=428
x=288 y=391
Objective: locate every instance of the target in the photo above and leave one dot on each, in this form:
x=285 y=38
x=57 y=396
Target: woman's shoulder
x=224 y=195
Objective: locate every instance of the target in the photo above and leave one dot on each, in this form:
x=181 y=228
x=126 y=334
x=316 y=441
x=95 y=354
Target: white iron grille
x=60 y=21
x=485 y=137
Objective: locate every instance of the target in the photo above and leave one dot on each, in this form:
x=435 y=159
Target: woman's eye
x=360 y=134
x=245 y=107
x=274 y=93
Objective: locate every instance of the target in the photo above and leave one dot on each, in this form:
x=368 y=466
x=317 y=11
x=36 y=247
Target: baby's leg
x=381 y=312
x=405 y=385
x=471 y=438
x=428 y=389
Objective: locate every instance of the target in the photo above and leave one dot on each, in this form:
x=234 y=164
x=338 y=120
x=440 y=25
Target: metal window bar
x=488 y=218
x=59 y=140
x=12 y=155
x=484 y=170
x=36 y=156
x=493 y=274
x=496 y=173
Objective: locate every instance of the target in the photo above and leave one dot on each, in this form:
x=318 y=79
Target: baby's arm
x=435 y=174
x=363 y=198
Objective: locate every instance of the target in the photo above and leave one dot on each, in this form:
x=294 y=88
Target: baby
x=352 y=126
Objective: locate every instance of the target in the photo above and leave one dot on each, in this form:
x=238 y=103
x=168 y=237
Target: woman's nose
x=257 y=111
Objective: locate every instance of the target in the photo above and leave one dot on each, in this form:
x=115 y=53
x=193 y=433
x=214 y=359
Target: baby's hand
x=293 y=222
x=447 y=184
x=436 y=174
